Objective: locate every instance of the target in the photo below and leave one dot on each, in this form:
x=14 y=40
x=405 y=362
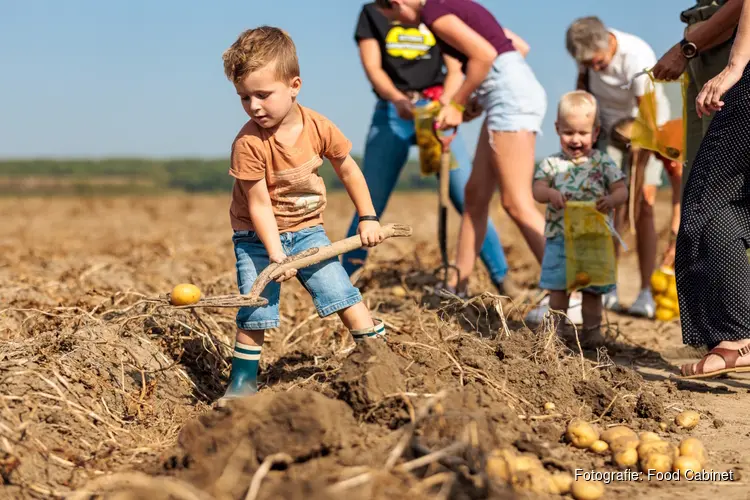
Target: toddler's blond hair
x=256 y=48
x=578 y=101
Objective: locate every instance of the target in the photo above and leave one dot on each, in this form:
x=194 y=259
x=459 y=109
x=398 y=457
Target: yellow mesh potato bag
x=668 y=139
x=589 y=247
x=429 y=146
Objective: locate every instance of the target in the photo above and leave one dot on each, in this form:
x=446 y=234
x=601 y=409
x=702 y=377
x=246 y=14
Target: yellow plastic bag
x=668 y=139
x=429 y=146
x=589 y=248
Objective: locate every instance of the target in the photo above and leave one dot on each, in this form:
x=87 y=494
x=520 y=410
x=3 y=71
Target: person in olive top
x=702 y=53
x=406 y=69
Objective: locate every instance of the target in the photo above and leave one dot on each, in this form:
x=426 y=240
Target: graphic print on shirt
x=409 y=43
x=299 y=193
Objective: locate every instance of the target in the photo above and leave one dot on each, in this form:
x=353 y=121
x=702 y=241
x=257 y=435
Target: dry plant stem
x=405 y=467
x=606 y=409
x=265 y=467
x=423 y=411
x=542 y=417
x=433 y=457
x=242 y=453
x=135 y=480
x=578 y=343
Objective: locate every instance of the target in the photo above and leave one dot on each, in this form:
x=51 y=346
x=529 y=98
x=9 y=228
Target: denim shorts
x=327 y=282
x=512 y=96
x=554 y=276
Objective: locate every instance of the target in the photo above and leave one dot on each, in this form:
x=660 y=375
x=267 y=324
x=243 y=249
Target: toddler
x=578 y=173
x=278 y=196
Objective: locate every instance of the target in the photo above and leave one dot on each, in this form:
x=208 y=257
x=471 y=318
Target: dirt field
x=103 y=391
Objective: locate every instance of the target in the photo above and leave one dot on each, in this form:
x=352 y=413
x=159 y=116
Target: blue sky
x=93 y=78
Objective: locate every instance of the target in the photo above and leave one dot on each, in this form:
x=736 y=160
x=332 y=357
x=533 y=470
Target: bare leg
x=479 y=189
x=250 y=337
x=510 y=160
x=646 y=236
x=675 y=180
x=356 y=317
x=558 y=301
x=514 y=164
x=592 y=320
x=592 y=311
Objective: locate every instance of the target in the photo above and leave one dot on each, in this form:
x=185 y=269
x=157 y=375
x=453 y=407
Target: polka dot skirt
x=713 y=274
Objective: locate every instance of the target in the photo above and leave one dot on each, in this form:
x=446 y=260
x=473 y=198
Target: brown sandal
x=729 y=356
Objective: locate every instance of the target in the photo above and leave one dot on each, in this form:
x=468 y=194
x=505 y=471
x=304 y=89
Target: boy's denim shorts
x=327 y=282
x=512 y=96
x=554 y=276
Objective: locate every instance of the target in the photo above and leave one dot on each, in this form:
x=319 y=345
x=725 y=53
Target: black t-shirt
x=410 y=55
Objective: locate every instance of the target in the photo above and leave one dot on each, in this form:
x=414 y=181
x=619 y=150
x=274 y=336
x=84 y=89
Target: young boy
x=278 y=197
x=577 y=173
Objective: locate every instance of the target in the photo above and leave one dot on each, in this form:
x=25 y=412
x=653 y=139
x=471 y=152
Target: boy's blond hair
x=256 y=48
x=578 y=101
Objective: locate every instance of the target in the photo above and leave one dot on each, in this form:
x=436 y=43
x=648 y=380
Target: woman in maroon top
x=501 y=81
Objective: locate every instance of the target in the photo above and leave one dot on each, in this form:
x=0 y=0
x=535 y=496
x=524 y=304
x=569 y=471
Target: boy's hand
x=449 y=117
x=369 y=233
x=556 y=199
x=279 y=258
x=605 y=204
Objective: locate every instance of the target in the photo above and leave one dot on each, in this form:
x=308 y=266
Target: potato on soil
x=613 y=433
x=687 y=419
x=523 y=472
x=663 y=426
x=549 y=406
x=645 y=437
x=624 y=443
x=499 y=465
x=693 y=448
x=657 y=462
x=684 y=464
x=587 y=490
x=184 y=294
x=625 y=458
x=562 y=482
x=654 y=447
x=581 y=433
x=599 y=446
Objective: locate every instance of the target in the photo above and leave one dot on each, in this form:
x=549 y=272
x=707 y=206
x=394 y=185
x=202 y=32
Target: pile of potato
x=646 y=450
x=524 y=472
x=664 y=289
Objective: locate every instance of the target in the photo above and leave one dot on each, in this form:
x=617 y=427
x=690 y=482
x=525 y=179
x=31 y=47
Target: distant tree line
x=138 y=175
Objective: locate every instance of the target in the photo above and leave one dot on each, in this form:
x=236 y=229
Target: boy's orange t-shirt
x=297 y=191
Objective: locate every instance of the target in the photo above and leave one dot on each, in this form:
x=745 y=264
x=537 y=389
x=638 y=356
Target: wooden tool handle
x=445 y=172
x=317 y=255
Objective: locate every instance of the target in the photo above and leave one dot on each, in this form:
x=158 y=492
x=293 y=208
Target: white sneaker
x=574 y=312
x=610 y=301
x=644 y=305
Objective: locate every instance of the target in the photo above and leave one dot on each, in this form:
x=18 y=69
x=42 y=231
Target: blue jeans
x=327 y=282
x=386 y=153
